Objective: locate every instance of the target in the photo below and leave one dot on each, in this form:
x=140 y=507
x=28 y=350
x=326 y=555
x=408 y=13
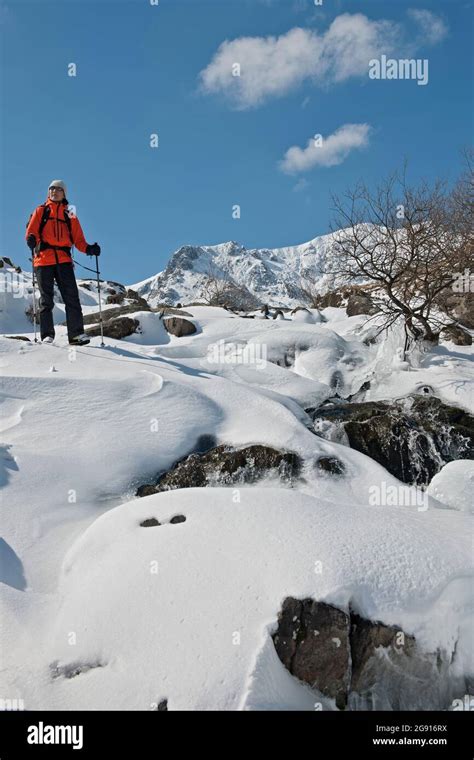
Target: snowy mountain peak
x=273 y=275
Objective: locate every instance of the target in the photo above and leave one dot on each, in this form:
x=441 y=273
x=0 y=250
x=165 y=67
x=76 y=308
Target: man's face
x=56 y=193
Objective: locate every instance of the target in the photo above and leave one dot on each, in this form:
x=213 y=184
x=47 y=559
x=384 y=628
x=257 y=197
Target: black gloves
x=93 y=250
x=31 y=242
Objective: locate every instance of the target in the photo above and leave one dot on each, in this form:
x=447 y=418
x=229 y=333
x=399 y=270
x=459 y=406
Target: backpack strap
x=67 y=219
x=45 y=216
x=44 y=219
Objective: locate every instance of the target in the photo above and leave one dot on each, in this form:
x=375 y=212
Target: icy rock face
x=412 y=438
x=361 y=664
x=223 y=465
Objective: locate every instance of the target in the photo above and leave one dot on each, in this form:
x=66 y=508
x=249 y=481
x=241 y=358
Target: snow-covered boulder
x=184 y=610
x=454 y=485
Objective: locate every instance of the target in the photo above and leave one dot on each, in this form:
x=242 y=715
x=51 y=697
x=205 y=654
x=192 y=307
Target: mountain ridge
x=272 y=275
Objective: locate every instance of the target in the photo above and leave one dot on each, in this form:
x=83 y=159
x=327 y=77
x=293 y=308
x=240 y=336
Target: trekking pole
x=34 y=295
x=100 y=304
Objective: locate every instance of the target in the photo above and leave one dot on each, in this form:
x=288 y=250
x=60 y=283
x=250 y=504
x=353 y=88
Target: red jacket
x=55 y=232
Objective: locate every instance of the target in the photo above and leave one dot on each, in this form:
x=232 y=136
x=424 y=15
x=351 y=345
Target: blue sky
x=222 y=139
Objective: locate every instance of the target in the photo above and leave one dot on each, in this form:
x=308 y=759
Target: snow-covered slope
x=99 y=611
x=272 y=275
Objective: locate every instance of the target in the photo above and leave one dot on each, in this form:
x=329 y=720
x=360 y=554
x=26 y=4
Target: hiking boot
x=79 y=340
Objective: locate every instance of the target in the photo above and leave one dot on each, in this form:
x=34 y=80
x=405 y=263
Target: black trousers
x=63 y=274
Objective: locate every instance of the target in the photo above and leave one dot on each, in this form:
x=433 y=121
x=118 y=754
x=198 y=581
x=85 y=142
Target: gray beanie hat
x=58 y=183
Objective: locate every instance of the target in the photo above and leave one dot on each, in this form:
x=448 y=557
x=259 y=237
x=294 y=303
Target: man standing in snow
x=50 y=234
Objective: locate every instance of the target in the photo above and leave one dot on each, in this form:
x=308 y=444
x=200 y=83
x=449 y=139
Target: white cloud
x=333 y=150
x=273 y=66
x=432 y=28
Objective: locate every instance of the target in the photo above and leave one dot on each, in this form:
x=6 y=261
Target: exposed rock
x=312 y=641
x=339 y=297
x=132 y=295
x=413 y=437
x=6 y=260
x=362 y=664
x=163 y=706
x=334 y=298
x=179 y=327
x=457 y=335
x=177 y=519
x=117 y=328
x=151 y=522
x=17 y=337
x=360 y=303
x=226 y=466
x=331 y=464
x=115 y=311
x=459 y=306
x=146 y=490
x=300 y=308
x=73 y=669
x=115 y=298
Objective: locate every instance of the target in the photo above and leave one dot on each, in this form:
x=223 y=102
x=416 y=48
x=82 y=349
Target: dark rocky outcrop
x=413 y=437
x=226 y=466
x=115 y=311
x=5 y=260
x=299 y=308
x=360 y=663
x=115 y=298
x=360 y=303
x=339 y=297
x=457 y=335
x=312 y=641
x=150 y=522
x=331 y=464
x=146 y=490
x=177 y=519
x=179 y=327
x=17 y=337
x=117 y=328
x=459 y=306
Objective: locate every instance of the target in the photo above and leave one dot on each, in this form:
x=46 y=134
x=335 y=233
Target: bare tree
x=215 y=286
x=310 y=290
x=220 y=290
x=409 y=243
